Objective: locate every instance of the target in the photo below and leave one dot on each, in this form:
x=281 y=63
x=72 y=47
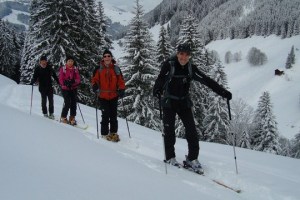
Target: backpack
x=116 y=69
x=171 y=75
x=64 y=69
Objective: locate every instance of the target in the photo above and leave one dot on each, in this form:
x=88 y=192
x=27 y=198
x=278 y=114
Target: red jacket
x=108 y=81
x=69 y=73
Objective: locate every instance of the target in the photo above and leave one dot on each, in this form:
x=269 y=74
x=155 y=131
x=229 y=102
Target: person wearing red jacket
x=69 y=80
x=108 y=83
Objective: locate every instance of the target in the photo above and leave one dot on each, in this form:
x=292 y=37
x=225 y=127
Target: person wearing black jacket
x=173 y=83
x=42 y=75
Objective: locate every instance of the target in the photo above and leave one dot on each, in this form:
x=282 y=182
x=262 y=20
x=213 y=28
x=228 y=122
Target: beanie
x=106 y=51
x=69 y=58
x=43 y=58
x=185 y=47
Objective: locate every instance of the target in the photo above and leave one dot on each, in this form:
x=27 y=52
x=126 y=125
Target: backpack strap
x=116 y=69
x=171 y=75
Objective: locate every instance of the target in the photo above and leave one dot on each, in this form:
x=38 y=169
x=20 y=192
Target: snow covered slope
x=43 y=159
x=249 y=82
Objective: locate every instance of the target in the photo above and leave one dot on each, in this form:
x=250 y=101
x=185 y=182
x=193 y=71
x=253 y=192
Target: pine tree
x=189 y=34
x=241 y=123
x=245 y=141
x=163 y=45
x=216 y=120
x=140 y=72
x=10 y=50
x=61 y=28
x=296 y=146
x=29 y=55
x=265 y=136
x=290 y=59
x=103 y=26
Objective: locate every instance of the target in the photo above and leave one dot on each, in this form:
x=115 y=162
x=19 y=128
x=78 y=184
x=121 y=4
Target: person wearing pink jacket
x=69 y=80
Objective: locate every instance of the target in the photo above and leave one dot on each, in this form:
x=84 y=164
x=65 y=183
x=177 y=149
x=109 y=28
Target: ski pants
x=47 y=94
x=70 y=102
x=109 y=116
x=187 y=117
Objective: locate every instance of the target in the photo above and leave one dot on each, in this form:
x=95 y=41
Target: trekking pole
x=126 y=118
x=81 y=113
x=31 y=99
x=162 y=131
x=97 y=104
x=233 y=138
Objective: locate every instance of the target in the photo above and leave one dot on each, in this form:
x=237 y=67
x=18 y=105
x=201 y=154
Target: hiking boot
x=194 y=165
x=106 y=137
x=173 y=162
x=72 y=120
x=46 y=115
x=51 y=116
x=114 y=137
x=64 y=120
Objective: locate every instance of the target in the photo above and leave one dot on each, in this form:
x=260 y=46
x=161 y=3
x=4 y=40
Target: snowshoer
x=173 y=83
x=108 y=83
x=42 y=75
x=69 y=80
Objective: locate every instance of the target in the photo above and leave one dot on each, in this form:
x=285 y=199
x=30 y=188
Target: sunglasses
x=107 y=56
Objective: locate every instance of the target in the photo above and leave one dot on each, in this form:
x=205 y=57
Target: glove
x=226 y=94
x=157 y=93
x=95 y=88
x=72 y=81
x=121 y=93
x=67 y=83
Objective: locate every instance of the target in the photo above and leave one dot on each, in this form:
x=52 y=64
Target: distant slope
x=248 y=82
x=220 y=19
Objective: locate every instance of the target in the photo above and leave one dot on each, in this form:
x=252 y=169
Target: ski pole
x=81 y=113
x=162 y=131
x=126 y=118
x=31 y=99
x=233 y=138
x=97 y=104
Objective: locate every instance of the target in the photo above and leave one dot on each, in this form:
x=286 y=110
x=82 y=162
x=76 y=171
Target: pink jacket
x=69 y=73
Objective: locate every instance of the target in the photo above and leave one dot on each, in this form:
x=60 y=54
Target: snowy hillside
x=43 y=159
x=249 y=82
x=116 y=10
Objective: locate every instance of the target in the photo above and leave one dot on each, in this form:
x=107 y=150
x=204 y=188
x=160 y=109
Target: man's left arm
x=212 y=84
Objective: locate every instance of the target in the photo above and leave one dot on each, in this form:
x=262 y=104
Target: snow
x=13 y=17
x=44 y=159
x=122 y=11
x=249 y=82
x=117 y=10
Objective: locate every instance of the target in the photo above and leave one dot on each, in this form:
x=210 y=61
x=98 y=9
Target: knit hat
x=185 y=47
x=70 y=58
x=43 y=58
x=106 y=51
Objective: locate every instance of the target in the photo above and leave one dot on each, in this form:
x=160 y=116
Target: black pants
x=70 y=102
x=47 y=94
x=109 y=116
x=187 y=118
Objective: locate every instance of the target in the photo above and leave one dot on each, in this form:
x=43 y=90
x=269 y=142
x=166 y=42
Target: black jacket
x=178 y=87
x=43 y=77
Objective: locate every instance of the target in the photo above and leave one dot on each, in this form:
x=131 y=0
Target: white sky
x=43 y=159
